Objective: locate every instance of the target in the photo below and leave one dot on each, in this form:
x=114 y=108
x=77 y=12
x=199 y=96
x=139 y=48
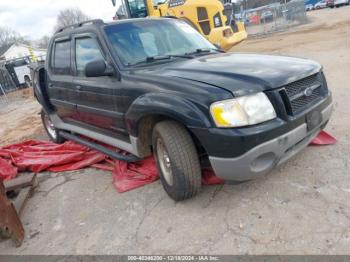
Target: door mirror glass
x=98 y=68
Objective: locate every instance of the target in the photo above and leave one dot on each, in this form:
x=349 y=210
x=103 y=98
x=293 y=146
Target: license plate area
x=313 y=120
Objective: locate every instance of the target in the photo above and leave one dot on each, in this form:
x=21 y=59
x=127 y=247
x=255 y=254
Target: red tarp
x=37 y=156
x=323 y=138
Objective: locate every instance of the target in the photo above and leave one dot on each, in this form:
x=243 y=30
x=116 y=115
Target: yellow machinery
x=206 y=16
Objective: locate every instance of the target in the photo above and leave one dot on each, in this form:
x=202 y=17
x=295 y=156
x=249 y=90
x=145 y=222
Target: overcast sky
x=35 y=18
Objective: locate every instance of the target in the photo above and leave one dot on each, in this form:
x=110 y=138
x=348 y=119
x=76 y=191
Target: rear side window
x=86 y=50
x=61 y=58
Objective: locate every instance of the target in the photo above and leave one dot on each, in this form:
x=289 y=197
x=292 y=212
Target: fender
x=168 y=105
x=39 y=81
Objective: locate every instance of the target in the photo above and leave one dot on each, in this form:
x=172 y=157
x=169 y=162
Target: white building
x=19 y=50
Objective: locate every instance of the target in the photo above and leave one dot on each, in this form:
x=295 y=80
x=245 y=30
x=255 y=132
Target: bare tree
x=70 y=16
x=9 y=37
x=43 y=42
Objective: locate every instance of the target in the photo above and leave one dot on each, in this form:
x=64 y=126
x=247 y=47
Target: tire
x=51 y=131
x=177 y=160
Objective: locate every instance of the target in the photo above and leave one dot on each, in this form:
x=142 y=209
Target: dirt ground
x=20 y=122
x=302 y=207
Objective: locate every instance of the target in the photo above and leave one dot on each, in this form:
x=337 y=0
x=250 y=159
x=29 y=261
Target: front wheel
x=51 y=131
x=177 y=160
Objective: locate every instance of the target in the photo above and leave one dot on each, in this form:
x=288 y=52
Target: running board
x=102 y=149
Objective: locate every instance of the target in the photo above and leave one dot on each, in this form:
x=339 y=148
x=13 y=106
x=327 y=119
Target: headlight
x=242 y=111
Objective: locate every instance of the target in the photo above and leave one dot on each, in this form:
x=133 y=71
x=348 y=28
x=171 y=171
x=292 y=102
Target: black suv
x=157 y=86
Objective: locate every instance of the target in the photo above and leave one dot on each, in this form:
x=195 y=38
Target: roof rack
x=89 y=22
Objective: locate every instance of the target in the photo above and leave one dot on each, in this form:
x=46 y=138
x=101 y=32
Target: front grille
x=303 y=93
x=303 y=101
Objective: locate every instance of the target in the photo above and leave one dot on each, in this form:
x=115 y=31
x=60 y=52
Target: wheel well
x=145 y=129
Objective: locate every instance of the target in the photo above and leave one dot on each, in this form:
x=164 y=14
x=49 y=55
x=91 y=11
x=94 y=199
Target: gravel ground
x=301 y=207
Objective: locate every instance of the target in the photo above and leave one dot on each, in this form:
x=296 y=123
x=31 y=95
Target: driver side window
x=86 y=50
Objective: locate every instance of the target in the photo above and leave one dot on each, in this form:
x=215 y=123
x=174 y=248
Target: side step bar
x=102 y=149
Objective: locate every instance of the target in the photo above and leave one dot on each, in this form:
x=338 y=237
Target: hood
x=242 y=73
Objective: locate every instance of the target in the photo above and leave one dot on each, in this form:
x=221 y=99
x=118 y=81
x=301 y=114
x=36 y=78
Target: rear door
x=99 y=101
x=62 y=92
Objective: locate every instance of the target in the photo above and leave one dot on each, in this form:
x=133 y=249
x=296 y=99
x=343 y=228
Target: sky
x=36 y=18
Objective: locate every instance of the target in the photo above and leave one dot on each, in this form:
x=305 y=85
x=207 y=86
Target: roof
x=100 y=22
x=3 y=49
x=129 y=20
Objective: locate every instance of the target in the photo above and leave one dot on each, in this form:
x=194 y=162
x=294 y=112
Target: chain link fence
x=273 y=17
x=7 y=86
x=10 y=99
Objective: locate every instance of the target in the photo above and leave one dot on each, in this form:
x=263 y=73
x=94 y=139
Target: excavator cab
x=133 y=9
x=211 y=18
x=136 y=8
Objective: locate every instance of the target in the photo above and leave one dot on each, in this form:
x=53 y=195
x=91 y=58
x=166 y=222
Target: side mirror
x=98 y=68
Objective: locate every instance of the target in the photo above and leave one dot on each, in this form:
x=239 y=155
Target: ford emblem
x=308 y=91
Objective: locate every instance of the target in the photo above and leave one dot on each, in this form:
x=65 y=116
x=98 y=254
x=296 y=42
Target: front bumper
x=262 y=158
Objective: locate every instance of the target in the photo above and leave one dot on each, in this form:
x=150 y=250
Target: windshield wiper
x=162 y=57
x=204 y=50
x=159 y=57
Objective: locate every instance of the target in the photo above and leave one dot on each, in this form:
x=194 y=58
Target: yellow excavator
x=207 y=16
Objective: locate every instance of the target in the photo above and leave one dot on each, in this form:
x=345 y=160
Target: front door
x=98 y=106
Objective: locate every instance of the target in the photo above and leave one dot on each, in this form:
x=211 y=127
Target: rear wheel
x=51 y=131
x=177 y=160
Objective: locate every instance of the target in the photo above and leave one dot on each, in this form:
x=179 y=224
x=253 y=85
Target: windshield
x=136 y=41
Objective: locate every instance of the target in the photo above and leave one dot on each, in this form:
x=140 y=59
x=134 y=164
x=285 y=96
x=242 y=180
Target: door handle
x=78 y=88
x=50 y=85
